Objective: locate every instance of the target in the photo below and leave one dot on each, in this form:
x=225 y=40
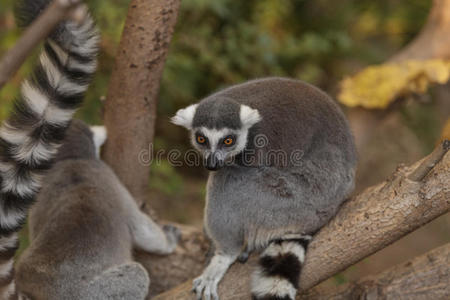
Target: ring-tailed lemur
x=83 y=228
x=30 y=138
x=285 y=161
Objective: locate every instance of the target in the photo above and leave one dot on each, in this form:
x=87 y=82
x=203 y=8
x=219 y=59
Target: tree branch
x=130 y=108
x=433 y=41
x=365 y=224
x=57 y=11
x=428 y=163
x=424 y=277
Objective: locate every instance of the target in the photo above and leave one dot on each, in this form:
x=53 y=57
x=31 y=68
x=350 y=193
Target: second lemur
x=83 y=229
x=284 y=159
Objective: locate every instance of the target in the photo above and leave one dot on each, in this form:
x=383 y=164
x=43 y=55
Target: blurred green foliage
x=222 y=42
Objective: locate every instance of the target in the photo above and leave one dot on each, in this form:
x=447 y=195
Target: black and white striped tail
x=30 y=138
x=279 y=269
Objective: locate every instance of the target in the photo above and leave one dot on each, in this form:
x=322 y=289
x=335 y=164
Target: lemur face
x=219 y=129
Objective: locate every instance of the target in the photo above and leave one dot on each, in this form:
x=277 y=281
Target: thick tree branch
x=57 y=11
x=130 y=108
x=365 y=224
x=424 y=277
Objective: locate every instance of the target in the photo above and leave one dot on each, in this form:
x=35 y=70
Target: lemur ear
x=185 y=116
x=249 y=116
x=99 y=135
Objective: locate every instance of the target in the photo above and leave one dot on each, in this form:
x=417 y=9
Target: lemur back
x=30 y=138
x=83 y=229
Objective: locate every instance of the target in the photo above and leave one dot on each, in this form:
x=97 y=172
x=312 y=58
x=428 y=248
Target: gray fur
x=83 y=229
x=256 y=200
x=217 y=112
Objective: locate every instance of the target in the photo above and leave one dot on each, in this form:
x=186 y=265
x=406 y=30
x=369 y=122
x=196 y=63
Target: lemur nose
x=212 y=163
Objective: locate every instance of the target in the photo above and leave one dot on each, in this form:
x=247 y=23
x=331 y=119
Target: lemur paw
x=173 y=235
x=243 y=257
x=205 y=288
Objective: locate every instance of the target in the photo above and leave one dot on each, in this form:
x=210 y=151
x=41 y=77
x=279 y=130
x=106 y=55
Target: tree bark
x=170 y=270
x=130 y=108
x=377 y=217
x=433 y=41
x=424 y=277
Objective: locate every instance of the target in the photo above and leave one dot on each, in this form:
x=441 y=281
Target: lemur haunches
x=284 y=159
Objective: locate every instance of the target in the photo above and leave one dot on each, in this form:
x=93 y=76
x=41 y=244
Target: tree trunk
x=433 y=41
x=365 y=224
x=130 y=109
x=424 y=277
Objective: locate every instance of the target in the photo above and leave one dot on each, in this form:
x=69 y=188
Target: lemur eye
x=201 y=139
x=228 y=141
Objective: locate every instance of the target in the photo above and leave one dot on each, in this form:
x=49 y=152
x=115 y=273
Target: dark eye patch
x=228 y=141
x=201 y=139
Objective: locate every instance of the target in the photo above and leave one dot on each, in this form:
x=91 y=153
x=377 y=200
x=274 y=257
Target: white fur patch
x=20 y=186
x=53 y=73
x=7 y=242
x=214 y=135
x=59 y=116
x=39 y=102
x=185 y=116
x=10 y=220
x=286 y=247
x=8 y=291
x=249 y=116
x=35 y=152
x=13 y=135
x=36 y=100
x=276 y=286
x=6 y=268
x=99 y=137
x=62 y=54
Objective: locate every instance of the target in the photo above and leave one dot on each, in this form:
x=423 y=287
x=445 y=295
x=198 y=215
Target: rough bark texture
x=130 y=108
x=424 y=277
x=433 y=40
x=365 y=224
x=168 y=271
x=57 y=11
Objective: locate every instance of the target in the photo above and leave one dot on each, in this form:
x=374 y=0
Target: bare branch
x=57 y=11
x=130 y=108
x=424 y=277
x=430 y=161
x=365 y=224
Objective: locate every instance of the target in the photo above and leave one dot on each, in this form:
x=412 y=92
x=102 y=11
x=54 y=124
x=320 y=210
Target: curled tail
x=279 y=269
x=31 y=136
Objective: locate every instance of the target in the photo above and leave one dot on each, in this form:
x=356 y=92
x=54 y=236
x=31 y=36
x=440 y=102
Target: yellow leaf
x=378 y=86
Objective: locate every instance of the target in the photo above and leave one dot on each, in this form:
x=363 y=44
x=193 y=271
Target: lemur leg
x=206 y=284
x=150 y=237
x=128 y=281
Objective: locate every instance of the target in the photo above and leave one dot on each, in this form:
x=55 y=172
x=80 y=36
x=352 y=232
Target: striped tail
x=279 y=269
x=30 y=138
